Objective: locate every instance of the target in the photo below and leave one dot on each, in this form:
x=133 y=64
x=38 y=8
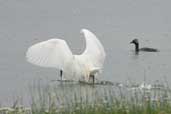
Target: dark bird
x=146 y=49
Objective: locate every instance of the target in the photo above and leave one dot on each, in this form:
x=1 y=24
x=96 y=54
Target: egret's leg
x=92 y=77
x=61 y=73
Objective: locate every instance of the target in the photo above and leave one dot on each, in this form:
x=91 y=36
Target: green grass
x=98 y=99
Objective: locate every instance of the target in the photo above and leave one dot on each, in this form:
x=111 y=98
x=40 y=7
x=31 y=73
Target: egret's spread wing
x=94 y=52
x=51 y=53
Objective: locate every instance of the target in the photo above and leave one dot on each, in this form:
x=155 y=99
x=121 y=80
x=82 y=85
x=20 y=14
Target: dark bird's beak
x=131 y=42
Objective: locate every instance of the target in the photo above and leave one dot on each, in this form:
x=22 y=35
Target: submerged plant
x=96 y=99
x=102 y=99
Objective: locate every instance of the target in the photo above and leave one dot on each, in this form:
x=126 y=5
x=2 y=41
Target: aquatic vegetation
x=97 y=99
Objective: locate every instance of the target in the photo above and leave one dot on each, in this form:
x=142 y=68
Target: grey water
x=116 y=23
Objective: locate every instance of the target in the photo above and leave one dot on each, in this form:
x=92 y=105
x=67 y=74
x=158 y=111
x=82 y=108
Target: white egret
x=55 y=53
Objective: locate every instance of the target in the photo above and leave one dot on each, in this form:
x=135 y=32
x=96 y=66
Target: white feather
x=55 y=53
x=94 y=52
x=51 y=53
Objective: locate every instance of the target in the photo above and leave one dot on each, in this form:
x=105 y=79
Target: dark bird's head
x=134 y=41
